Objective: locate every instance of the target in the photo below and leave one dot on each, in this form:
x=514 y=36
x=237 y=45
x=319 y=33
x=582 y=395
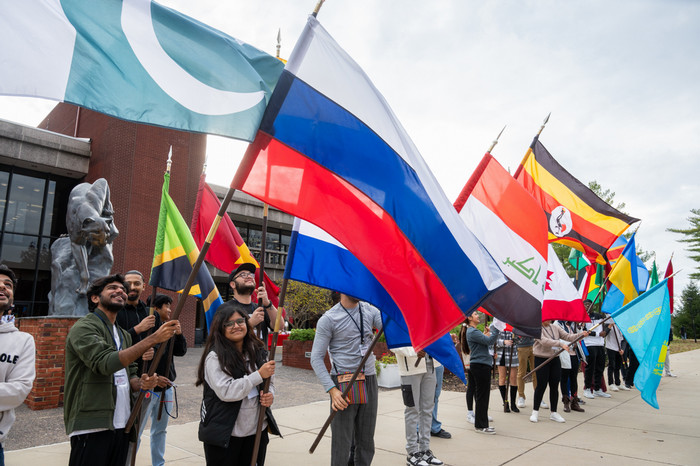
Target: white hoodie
x=17 y=372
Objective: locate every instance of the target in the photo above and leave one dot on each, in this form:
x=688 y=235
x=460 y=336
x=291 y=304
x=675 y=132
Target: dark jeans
x=238 y=453
x=471 y=383
x=569 y=378
x=593 y=376
x=105 y=448
x=614 y=365
x=481 y=374
x=547 y=376
x=631 y=369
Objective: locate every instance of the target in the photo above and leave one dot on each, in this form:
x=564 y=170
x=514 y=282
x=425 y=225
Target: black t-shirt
x=263 y=329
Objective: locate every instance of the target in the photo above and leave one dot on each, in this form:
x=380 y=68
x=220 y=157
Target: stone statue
x=85 y=253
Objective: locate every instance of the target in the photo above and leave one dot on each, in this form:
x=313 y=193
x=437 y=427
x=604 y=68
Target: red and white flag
x=511 y=225
x=561 y=298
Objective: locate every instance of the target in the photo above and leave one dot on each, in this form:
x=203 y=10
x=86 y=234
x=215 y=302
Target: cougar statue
x=85 y=253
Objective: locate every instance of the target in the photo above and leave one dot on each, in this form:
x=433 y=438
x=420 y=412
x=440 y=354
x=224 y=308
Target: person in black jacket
x=233 y=366
x=164 y=391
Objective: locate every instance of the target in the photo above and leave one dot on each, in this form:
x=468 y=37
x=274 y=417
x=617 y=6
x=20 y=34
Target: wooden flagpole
x=522 y=162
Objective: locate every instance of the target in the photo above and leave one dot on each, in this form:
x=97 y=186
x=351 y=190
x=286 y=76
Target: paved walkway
x=622 y=430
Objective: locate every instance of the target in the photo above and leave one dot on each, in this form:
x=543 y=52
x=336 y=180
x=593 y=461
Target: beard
x=244 y=289
x=109 y=305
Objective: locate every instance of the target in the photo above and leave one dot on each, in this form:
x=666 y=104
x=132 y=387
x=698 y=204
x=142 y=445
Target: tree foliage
x=688 y=311
x=305 y=304
x=692 y=238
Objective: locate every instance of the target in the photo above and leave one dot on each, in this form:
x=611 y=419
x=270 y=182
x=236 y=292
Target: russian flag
x=317 y=258
x=331 y=151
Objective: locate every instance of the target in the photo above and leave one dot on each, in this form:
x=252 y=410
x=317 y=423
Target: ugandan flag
x=174 y=255
x=576 y=216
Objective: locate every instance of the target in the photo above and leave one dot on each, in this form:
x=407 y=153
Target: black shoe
x=442 y=434
x=506 y=408
x=514 y=408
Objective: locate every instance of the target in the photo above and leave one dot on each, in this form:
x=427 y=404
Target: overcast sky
x=622 y=80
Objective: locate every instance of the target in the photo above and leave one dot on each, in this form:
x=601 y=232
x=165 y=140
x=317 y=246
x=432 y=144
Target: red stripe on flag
x=287 y=180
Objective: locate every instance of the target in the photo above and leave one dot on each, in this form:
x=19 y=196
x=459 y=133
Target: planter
x=297 y=353
x=389 y=376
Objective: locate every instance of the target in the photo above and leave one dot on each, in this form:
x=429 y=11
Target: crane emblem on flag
x=560 y=221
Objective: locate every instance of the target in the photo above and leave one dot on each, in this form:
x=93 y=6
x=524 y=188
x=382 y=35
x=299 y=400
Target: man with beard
x=100 y=372
x=345 y=331
x=134 y=316
x=242 y=282
x=16 y=361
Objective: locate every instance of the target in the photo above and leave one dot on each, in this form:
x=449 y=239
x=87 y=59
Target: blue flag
x=628 y=278
x=318 y=259
x=135 y=60
x=645 y=323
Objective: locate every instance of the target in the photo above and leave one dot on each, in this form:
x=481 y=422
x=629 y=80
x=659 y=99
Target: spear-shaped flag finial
x=170 y=160
x=544 y=123
x=495 y=141
x=279 y=42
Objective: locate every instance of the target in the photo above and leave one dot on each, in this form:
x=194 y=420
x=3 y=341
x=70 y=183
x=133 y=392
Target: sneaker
x=614 y=388
x=543 y=404
x=429 y=458
x=556 y=417
x=442 y=433
x=416 y=459
x=520 y=403
x=588 y=393
x=486 y=430
x=623 y=387
x=490 y=419
x=601 y=393
x=470 y=418
x=534 y=416
x=670 y=374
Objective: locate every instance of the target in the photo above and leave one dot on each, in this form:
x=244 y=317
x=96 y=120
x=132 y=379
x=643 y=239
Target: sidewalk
x=622 y=430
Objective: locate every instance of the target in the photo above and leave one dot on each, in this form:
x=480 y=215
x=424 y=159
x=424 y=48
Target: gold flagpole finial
x=170 y=160
x=318 y=7
x=544 y=123
x=493 y=144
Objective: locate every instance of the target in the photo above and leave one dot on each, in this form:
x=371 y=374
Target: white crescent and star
x=190 y=92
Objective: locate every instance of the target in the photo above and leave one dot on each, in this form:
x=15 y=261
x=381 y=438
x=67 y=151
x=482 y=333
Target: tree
x=305 y=304
x=692 y=237
x=688 y=315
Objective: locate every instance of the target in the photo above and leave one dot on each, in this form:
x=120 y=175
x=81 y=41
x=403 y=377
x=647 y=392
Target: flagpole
x=266 y=384
x=318 y=7
x=347 y=389
x=600 y=289
x=185 y=292
x=493 y=144
x=527 y=153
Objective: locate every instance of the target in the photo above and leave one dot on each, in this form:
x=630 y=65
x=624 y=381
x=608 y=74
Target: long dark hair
x=230 y=358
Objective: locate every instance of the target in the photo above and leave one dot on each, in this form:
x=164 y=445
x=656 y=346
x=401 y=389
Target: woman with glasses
x=233 y=366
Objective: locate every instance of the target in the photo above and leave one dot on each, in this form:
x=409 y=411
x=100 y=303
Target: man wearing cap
x=242 y=282
x=17 y=366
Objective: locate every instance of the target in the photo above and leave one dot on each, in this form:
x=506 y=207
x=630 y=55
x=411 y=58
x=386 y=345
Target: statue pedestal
x=50 y=337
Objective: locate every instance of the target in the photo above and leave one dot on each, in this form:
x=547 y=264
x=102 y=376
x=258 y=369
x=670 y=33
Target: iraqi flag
x=513 y=228
x=330 y=151
x=561 y=298
x=317 y=258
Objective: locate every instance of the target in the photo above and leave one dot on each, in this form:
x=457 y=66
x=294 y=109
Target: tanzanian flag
x=174 y=255
x=576 y=216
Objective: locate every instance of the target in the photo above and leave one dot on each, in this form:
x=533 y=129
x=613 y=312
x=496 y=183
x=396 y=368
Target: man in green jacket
x=100 y=374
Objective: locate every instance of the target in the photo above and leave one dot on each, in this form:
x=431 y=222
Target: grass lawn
x=680 y=346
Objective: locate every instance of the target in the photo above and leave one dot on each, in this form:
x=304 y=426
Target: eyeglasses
x=240 y=322
x=244 y=275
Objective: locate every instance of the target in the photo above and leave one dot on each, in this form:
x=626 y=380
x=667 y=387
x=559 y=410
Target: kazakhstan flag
x=174 y=255
x=645 y=324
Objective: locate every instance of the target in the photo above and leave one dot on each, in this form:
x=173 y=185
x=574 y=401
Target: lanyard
x=360 y=327
x=111 y=332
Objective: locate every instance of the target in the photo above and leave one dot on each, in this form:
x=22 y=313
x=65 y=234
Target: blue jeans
x=158 y=428
x=437 y=425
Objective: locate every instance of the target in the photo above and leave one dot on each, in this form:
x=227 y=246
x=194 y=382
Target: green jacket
x=91 y=361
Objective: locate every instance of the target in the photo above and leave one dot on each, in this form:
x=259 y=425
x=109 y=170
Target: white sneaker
x=470 y=418
x=490 y=419
x=601 y=393
x=543 y=404
x=613 y=388
x=588 y=393
x=623 y=387
x=556 y=417
x=416 y=459
x=520 y=403
x=670 y=374
x=534 y=416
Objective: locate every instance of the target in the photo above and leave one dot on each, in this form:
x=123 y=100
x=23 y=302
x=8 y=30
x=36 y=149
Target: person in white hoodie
x=418 y=381
x=17 y=354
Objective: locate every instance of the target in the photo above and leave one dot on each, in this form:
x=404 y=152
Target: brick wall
x=50 y=338
x=294 y=353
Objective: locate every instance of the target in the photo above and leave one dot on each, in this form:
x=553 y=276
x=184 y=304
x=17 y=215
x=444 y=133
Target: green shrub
x=302 y=334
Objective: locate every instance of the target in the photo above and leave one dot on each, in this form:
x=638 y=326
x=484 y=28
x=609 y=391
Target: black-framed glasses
x=244 y=275
x=240 y=322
